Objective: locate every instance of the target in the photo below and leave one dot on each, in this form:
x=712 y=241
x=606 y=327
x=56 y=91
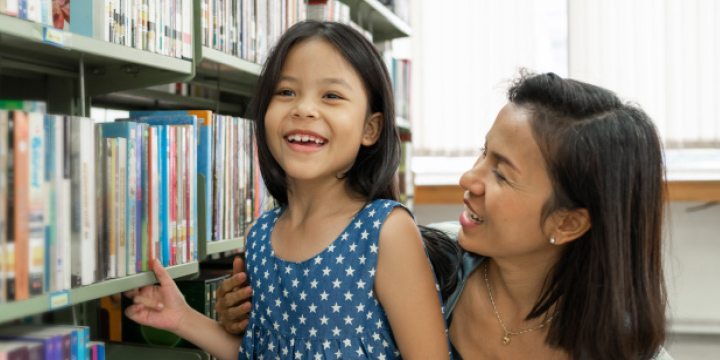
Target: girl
x=339 y=262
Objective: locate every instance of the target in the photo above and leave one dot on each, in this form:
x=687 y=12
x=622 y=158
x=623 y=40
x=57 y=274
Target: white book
x=65 y=208
x=121 y=206
x=82 y=201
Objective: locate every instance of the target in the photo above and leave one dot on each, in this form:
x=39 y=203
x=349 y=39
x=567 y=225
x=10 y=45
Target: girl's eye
x=332 y=96
x=286 y=93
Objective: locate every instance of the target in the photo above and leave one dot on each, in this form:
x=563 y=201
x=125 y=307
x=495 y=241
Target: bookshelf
x=382 y=23
x=48 y=302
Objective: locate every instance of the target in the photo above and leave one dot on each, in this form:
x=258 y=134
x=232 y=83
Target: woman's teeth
x=473 y=216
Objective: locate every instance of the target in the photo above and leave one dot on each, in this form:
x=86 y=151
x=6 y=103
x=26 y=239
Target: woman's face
x=505 y=192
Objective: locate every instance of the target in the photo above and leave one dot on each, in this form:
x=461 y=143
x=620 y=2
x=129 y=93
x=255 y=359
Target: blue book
x=202 y=126
x=80 y=338
x=88 y=18
x=52 y=344
x=96 y=350
x=132 y=132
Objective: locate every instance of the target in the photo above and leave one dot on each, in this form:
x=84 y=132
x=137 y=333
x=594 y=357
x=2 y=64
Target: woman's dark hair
x=603 y=155
x=372 y=174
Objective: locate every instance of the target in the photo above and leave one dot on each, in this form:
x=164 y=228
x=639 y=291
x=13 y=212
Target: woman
x=565 y=206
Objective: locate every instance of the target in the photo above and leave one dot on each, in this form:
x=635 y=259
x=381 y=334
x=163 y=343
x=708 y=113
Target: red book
x=21 y=197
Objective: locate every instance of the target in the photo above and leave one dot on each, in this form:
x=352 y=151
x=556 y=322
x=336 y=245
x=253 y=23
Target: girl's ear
x=373 y=128
x=569 y=225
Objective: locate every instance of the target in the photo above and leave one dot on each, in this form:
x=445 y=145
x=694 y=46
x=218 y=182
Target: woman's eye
x=285 y=92
x=498 y=175
x=483 y=152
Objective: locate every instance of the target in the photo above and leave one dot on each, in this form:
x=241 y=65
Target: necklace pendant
x=506 y=339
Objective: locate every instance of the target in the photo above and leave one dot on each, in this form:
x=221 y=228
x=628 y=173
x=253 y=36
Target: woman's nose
x=473 y=181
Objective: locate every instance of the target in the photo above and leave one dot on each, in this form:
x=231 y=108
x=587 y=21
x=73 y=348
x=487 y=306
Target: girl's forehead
x=317 y=57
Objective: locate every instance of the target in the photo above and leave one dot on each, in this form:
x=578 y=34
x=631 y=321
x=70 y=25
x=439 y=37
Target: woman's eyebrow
x=504 y=159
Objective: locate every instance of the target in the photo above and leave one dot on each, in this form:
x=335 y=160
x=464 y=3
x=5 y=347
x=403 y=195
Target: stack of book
x=160 y=26
x=49 y=342
x=247 y=28
x=334 y=10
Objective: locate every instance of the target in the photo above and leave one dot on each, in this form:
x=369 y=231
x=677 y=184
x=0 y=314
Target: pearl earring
x=552 y=241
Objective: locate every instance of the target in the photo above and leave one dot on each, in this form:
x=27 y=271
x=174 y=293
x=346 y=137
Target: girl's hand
x=233 y=303
x=160 y=306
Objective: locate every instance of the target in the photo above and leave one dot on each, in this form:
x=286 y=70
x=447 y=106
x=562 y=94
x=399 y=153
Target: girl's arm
x=405 y=286
x=163 y=306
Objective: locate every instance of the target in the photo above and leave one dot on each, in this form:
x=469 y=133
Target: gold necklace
x=506 y=337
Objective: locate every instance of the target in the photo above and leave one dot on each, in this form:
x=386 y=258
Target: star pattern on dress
x=323 y=313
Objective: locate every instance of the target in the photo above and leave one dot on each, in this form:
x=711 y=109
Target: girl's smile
x=305 y=141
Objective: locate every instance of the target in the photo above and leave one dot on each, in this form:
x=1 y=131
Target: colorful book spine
x=143 y=244
x=172 y=194
x=51 y=225
x=65 y=207
x=111 y=206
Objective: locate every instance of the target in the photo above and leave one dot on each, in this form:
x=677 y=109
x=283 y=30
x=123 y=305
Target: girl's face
x=315 y=122
x=506 y=188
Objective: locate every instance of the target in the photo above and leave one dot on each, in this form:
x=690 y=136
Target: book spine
x=145 y=194
x=191 y=209
x=182 y=199
x=101 y=199
x=122 y=204
x=154 y=246
x=36 y=205
x=65 y=211
x=20 y=287
x=164 y=177
x=83 y=222
x=172 y=198
x=49 y=215
x=111 y=206
x=3 y=201
x=132 y=201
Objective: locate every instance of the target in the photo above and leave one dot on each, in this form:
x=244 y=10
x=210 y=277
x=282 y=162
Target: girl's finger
x=163 y=277
x=132 y=293
x=132 y=311
x=148 y=302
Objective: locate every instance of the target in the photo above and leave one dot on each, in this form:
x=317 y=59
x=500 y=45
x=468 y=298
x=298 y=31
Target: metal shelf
x=384 y=24
x=48 y=302
x=237 y=75
x=155 y=99
x=403 y=124
x=34 y=47
x=214 y=247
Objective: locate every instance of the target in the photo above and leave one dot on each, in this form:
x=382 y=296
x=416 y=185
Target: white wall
x=692 y=255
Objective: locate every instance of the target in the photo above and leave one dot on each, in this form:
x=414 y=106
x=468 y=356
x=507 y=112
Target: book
x=15 y=350
x=83 y=205
x=18 y=237
x=52 y=343
x=3 y=204
x=121 y=199
x=97 y=350
x=36 y=206
x=111 y=208
x=87 y=18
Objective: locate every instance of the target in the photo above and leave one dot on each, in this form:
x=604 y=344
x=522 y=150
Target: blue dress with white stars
x=323 y=307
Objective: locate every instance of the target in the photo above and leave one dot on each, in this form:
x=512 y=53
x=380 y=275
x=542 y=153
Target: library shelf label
x=54 y=36
x=59 y=300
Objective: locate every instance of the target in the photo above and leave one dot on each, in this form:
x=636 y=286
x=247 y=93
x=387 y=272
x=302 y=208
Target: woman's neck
x=517 y=285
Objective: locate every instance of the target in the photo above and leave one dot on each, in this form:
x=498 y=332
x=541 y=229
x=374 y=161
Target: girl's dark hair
x=372 y=174
x=445 y=256
x=603 y=155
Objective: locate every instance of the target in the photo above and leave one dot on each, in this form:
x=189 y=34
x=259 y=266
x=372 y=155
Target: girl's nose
x=473 y=180
x=305 y=108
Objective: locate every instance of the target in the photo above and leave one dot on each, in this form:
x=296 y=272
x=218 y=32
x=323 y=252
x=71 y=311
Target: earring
x=552 y=241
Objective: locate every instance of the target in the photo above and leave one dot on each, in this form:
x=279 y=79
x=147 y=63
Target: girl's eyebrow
x=338 y=81
x=288 y=78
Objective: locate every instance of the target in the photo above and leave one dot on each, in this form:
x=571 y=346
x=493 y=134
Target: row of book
x=82 y=202
x=49 y=342
x=334 y=10
x=247 y=28
x=160 y=26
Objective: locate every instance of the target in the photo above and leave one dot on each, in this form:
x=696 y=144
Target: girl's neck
x=307 y=201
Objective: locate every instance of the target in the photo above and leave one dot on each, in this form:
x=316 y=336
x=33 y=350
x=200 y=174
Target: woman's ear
x=569 y=225
x=373 y=128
